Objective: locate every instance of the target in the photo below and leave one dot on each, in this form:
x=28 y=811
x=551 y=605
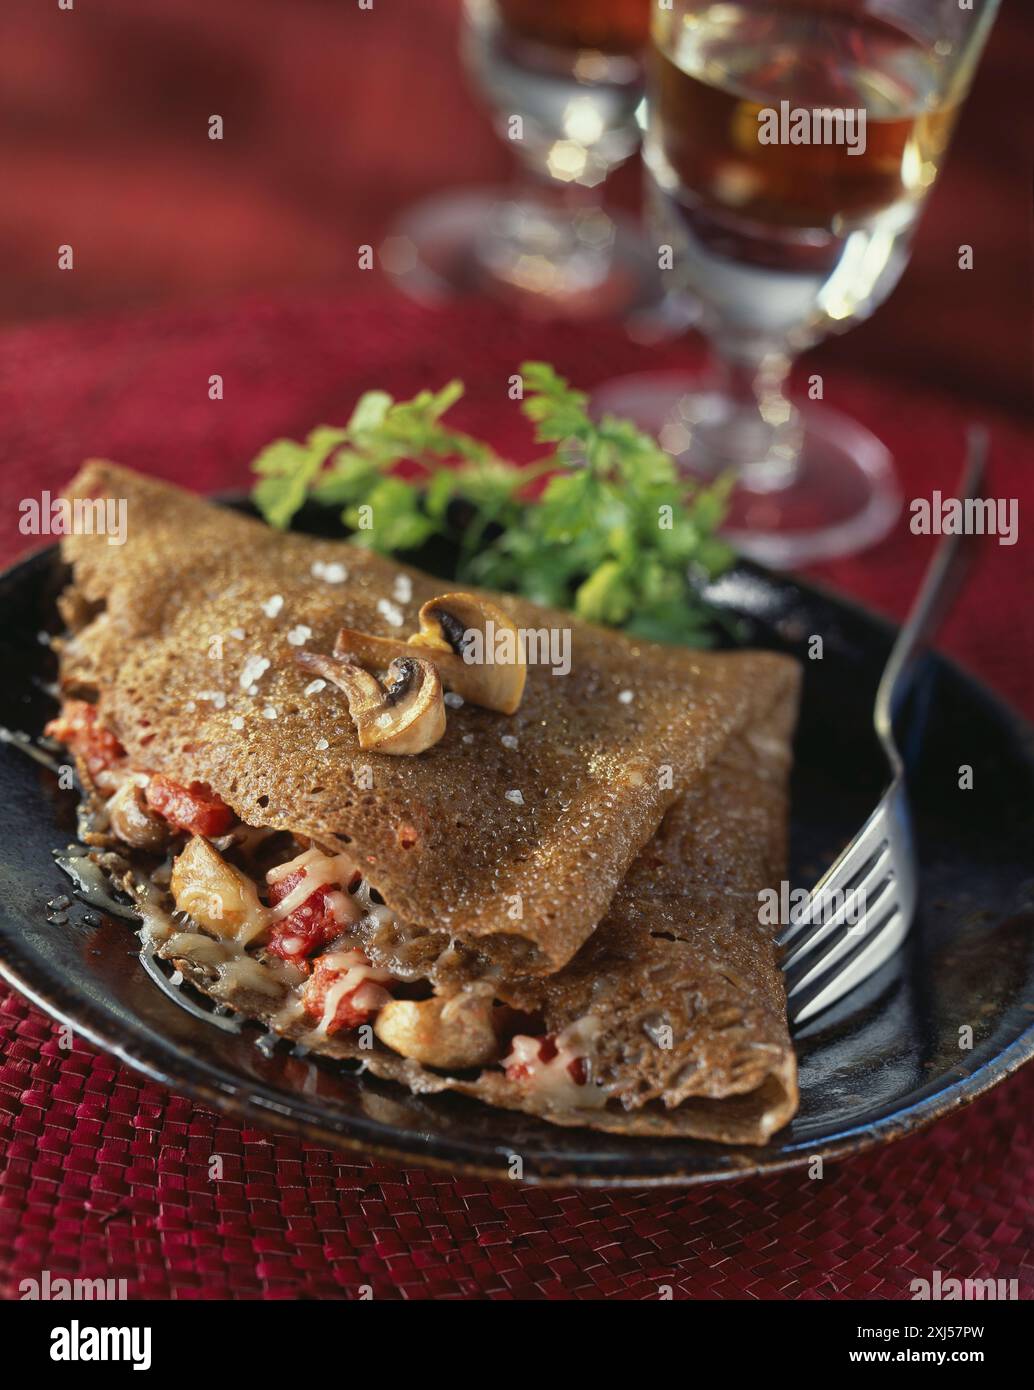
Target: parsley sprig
x=616 y=533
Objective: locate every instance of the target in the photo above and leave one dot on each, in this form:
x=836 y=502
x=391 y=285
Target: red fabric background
x=337 y=122
x=336 y=119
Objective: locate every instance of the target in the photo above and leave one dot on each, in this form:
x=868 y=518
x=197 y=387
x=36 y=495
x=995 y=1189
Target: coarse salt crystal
x=508 y=741
x=330 y=571
x=298 y=636
x=627 y=696
x=190 y=707
x=468 y=738
x=314 y=687
x=321 y=744
x=254 y=669
x=391 y=612
x=269 y=712
x=272 y=606
x=517 y=797
x=236 y=722
x=453 y=700
x=402 y=589
x=237 y=632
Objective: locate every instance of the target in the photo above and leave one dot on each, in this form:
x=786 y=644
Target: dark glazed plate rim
x=635 y=1164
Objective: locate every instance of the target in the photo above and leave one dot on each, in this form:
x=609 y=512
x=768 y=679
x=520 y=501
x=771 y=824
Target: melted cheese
x=300 y=861
x=157 y=925
x=343 y=908
x=245 y=972
x=551 y=1081
x=356 y=974
x=235 y=968
x=371 y=997
x=317 y=870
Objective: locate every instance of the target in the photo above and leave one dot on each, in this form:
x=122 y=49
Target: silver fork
x=859 y=912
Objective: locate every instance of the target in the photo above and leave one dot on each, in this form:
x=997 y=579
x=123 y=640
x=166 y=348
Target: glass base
x=545 y=261
x=842 y=496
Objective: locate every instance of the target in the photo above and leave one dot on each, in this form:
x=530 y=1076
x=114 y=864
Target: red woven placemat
x=106 y=1175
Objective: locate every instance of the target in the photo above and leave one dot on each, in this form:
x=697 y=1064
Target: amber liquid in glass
x=609 y=26
x=817 y=222
x=571 y=69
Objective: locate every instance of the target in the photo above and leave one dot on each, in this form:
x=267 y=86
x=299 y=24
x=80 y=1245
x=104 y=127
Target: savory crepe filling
x=538 y=889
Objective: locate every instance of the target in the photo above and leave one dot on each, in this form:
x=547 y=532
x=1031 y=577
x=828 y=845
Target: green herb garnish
x=616 y=533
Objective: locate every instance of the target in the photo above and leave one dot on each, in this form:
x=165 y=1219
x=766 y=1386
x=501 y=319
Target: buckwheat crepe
x=459 y=840
x=510 y=855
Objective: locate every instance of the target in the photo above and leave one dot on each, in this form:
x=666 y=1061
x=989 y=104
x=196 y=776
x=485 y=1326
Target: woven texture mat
x=103 y=1175
x=109 y=1176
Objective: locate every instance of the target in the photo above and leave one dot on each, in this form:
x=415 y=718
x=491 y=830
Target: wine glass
x=565 y=79
x=790 y=147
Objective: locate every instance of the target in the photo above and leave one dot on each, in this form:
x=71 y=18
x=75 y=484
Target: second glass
x=564 y=79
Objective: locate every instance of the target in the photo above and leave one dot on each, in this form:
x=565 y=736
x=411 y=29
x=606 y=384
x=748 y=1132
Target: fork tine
x=851 y=861
x=864 y=958
x=859 y=891
x=858 y=898
x=842 y=934
x=839 y=943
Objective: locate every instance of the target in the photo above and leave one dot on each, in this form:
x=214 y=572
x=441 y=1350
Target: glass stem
x=756 y=432
x=549 y=237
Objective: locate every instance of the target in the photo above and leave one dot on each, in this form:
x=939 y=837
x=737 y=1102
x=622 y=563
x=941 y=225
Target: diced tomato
x=579 y=1070
x=306 y=930
x=77 y=728
x=195 y=808
x=279 y=890
x=310 y=927
x=326 y=972
x=577 y=1067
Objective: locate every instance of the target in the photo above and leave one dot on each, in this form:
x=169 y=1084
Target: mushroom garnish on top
x=404 y=714
x=454 y=628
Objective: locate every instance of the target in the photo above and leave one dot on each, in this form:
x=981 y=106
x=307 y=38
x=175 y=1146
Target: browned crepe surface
x=682 y=948
x=452 y=855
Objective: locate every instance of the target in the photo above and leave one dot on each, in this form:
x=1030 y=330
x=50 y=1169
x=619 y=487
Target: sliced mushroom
x=133 y=821
x=465 y=636
x=452 y=1034
x=405 y=714
x=217 y=895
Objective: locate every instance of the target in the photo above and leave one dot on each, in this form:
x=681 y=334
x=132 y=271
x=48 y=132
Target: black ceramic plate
x=881 y=1064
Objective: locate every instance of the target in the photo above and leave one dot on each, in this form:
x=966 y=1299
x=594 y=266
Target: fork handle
x=937 y=593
